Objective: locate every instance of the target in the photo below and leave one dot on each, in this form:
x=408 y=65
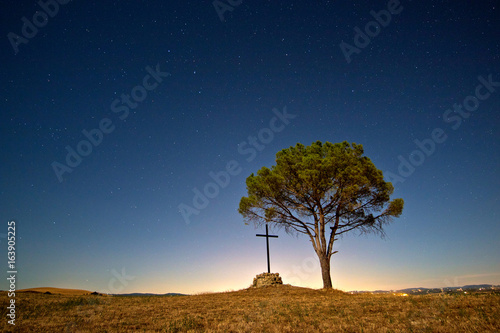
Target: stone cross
x=267 y=244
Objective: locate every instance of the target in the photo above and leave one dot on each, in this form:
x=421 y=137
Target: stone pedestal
x=266 y=279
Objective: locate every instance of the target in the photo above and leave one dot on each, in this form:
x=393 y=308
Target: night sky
x=116 y=115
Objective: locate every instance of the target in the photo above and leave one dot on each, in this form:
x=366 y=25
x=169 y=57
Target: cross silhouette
x=267 y=244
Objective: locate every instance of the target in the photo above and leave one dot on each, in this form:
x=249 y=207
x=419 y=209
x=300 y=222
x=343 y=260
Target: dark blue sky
x=181 y=94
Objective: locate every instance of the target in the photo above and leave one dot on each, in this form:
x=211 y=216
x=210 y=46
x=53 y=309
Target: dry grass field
x=269 y=309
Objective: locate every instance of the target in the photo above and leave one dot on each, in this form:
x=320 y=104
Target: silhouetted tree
x=322 y=191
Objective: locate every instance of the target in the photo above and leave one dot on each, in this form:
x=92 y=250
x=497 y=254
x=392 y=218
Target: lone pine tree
x=322 y=191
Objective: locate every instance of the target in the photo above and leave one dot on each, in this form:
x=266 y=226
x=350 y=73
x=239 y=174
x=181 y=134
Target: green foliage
x=312 y=187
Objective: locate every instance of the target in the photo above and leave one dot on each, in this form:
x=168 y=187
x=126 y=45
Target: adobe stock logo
x=29 y=29
x=118 y=282
x=301 y=274
x=221 y=7
x=220 y=180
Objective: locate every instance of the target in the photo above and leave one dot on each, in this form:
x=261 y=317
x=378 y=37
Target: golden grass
x=271 y=309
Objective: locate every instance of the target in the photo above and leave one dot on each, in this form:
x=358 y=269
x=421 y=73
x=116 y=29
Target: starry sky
x=128 y=129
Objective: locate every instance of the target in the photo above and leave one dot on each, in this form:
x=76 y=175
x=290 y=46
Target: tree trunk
x=325 y=271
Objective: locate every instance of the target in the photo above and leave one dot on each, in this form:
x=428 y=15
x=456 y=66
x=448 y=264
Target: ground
x=269 y=309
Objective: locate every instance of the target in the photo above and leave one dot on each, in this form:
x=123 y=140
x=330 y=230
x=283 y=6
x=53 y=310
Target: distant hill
x=55 y=291
x=478 y=286
x=468 y=287
x=421 y=290
x=149 y=294
x=78 y=292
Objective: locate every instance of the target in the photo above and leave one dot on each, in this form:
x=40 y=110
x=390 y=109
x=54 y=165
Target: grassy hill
x=55 y=291
x=269 y=309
